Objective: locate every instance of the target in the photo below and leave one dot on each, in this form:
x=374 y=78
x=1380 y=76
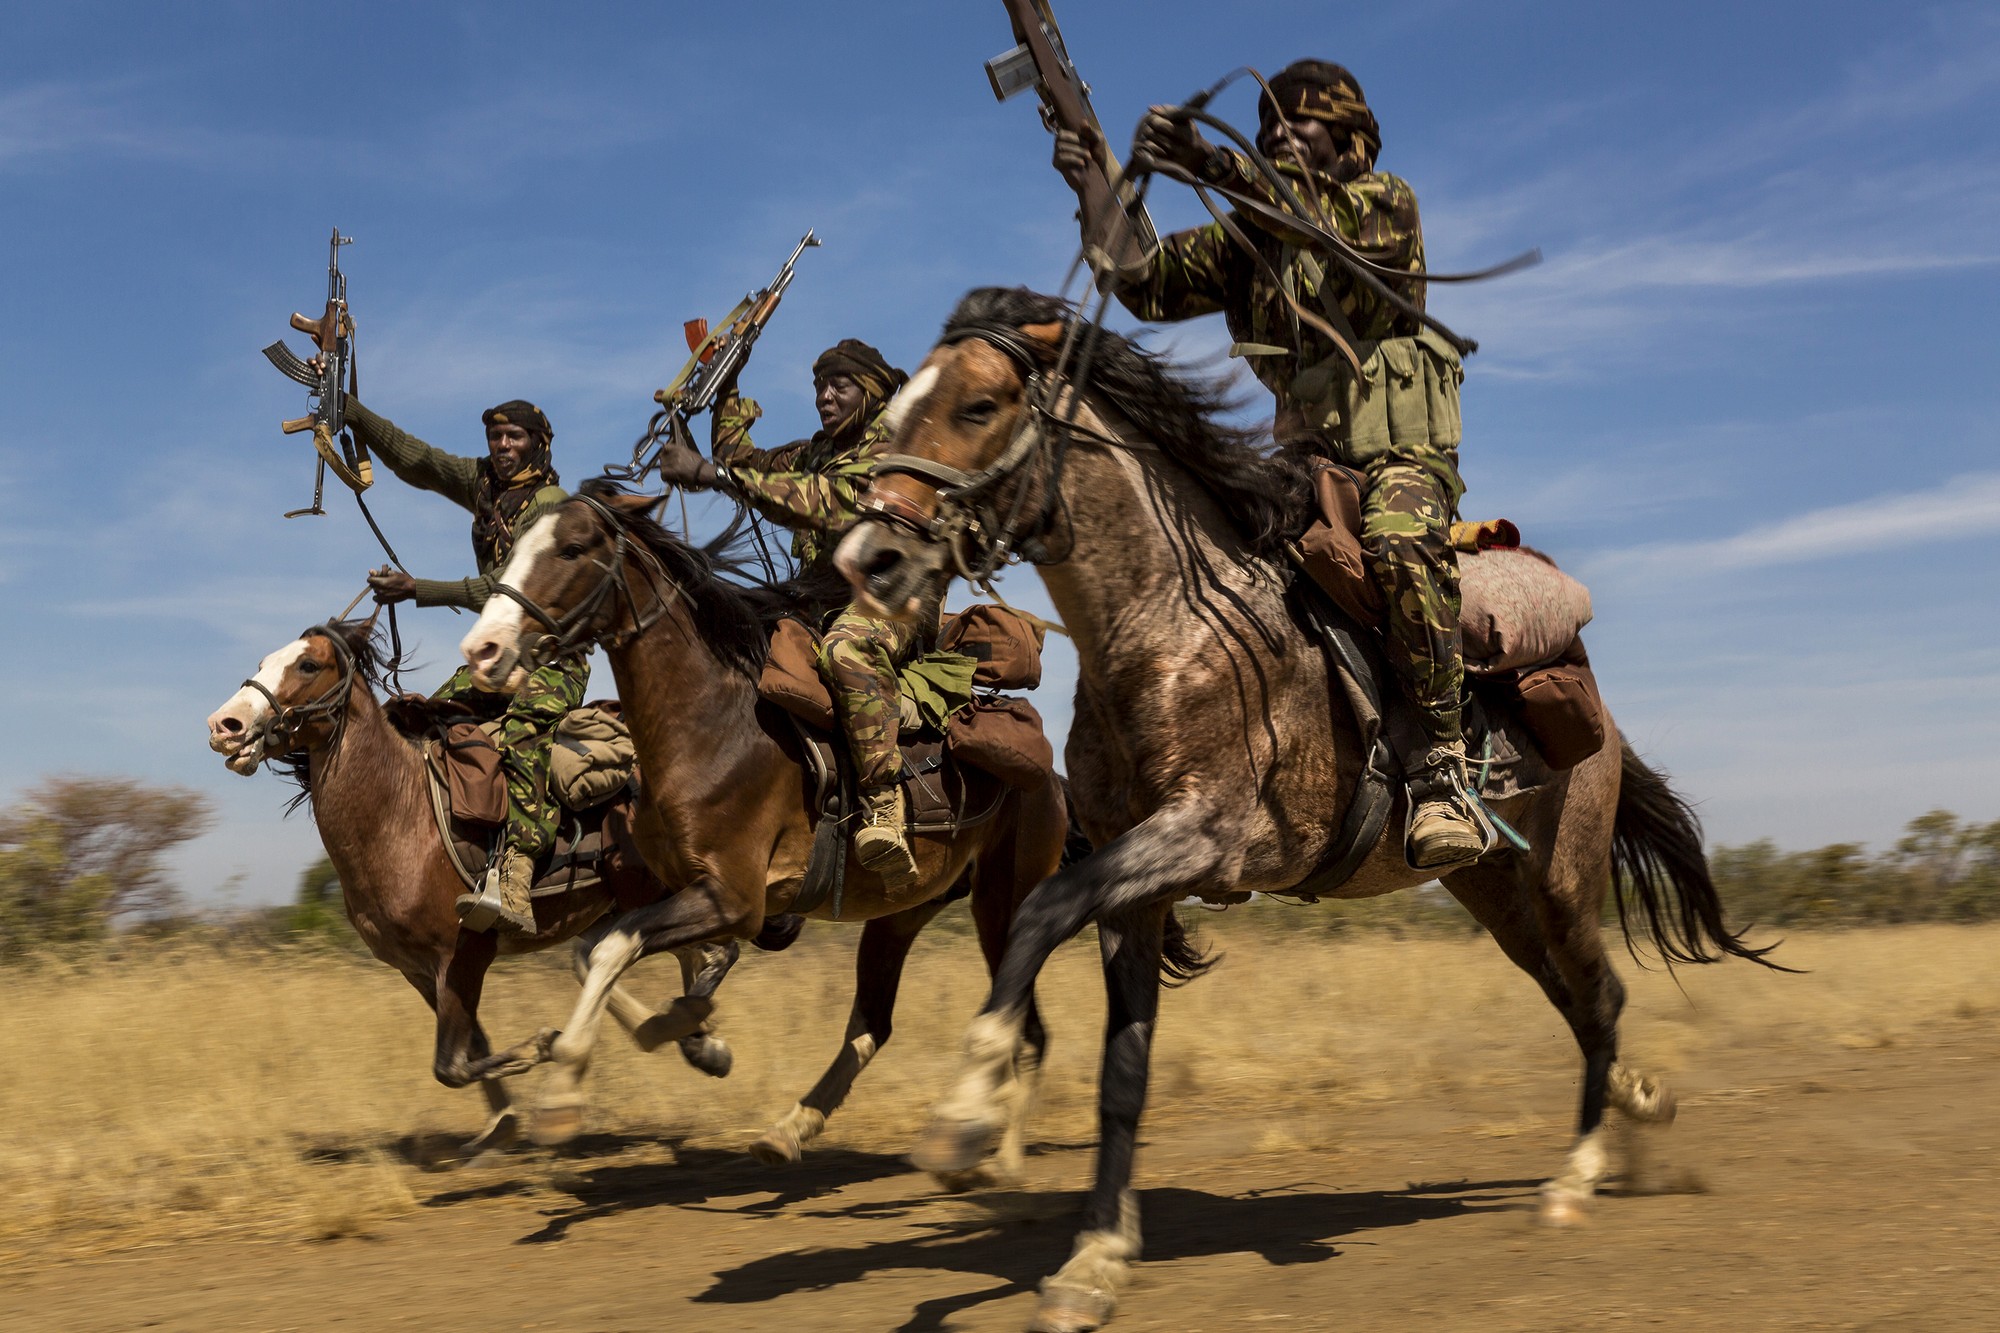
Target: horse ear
x=631 y=506
x=1049 y=334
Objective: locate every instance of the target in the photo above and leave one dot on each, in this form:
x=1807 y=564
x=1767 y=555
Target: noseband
x=331 y=706
x=570 y=634
x=977 y=525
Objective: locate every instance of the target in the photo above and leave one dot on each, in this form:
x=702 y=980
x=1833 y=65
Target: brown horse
x=1209 y=755
x=312 y=708
x=728 y=810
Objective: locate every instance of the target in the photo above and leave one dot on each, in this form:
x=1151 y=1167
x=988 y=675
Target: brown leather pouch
x=470 y=765
x=1007 y=647
x=791 y=678
x=1004 y=737
x=1561 y=709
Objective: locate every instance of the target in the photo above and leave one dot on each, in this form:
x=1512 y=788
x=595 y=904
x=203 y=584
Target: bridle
x=281 y=732
x=572 y=634
x=978 y=516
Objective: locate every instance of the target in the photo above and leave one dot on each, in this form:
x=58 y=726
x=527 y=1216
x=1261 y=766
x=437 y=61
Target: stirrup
x=487 y=909
x=1446 y=767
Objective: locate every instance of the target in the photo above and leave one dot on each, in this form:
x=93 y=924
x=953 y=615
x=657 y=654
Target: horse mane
x=1266 y=496
x=734 y=611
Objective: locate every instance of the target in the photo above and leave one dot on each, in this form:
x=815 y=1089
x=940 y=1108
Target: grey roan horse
x=1208 y=754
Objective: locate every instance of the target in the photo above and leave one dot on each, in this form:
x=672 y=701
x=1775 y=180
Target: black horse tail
x=1657 y=862
x=1183 y=956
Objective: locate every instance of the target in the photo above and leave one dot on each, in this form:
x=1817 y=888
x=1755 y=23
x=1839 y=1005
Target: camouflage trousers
x=860 y=656
x=526 y=736
x=1406 y=513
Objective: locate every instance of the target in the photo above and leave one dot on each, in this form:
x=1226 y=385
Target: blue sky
x=1748 y=398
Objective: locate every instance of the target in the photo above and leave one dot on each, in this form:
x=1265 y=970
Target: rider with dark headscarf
x=1395 y=422
x=507 y=490
x=812 y=486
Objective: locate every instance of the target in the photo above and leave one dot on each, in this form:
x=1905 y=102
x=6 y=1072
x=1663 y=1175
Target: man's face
x=838 y=397
x=1314 y=138
x=507 y=445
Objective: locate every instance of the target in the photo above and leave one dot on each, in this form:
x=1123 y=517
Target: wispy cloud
x=1965 y=506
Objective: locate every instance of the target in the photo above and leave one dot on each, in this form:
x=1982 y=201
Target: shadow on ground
x=1290 y=1225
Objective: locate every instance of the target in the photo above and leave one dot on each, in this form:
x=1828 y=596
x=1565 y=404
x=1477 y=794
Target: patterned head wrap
x=500 y=501
x=1322 y=90
x=869 y=369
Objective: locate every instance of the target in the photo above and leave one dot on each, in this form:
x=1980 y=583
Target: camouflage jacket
x=1203 y=271
x=810 y=486
x=456 y=478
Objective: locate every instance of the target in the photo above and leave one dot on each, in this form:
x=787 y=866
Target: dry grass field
x=287 y=1095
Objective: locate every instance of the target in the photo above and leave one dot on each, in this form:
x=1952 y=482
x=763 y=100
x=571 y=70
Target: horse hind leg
x=1547 y=923
x=878 y=972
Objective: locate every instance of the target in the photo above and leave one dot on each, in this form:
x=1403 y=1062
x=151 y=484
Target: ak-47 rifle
x=1040 y=61
x=334 y=380
x=715 y=357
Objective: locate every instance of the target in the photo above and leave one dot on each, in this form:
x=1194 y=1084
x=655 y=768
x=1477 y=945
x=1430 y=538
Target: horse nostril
x=881 y=560
x=229 y=724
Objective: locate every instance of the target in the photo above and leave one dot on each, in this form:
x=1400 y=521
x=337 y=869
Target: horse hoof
x=951 y=1148
x=985 y=1176
x=1564 y=1212
x=556 y=1125
x=501 y=1132
x=1071 y=1310
x=777 y=1147
x=711 y=1055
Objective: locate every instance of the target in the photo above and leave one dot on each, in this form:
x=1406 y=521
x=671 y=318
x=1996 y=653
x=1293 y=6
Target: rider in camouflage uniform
x=1397 y=422
x=812 y=487
x=507 y=490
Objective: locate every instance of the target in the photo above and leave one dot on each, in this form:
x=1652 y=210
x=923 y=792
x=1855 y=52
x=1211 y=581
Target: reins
x=571 y=634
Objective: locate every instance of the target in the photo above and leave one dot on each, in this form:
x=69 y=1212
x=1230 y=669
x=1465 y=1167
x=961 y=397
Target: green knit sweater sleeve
x=472 y=593
x=421 y=465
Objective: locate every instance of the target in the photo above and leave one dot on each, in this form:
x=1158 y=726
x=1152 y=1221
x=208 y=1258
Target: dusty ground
x=1834 y=1167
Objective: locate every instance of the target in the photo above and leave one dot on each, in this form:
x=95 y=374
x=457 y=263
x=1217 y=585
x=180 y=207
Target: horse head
x=296 y=700
x=966 y=480
x=567 y=585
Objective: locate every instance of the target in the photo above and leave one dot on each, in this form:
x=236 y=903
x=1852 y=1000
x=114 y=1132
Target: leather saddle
x=469 y=800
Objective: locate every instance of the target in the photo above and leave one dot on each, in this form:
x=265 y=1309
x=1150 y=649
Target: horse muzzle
x=891 y=570
x=239 y=735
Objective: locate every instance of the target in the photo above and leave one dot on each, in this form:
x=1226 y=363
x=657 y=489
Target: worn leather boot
x=880 y=843
x=503 y=901
x=1442 y=832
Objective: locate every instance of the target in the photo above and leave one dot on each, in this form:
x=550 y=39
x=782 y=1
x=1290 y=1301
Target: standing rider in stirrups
x=507 y=490
x=1397 y=423
x=812 y=486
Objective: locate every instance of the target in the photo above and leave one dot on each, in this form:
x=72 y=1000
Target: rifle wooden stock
x=1107 y=221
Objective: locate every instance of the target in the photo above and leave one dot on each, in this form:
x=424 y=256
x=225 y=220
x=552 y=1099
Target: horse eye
x=979 y=413
x=308 y=667
x=570 y=552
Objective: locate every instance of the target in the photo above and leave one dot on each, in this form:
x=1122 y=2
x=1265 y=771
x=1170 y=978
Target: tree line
x=83 y=863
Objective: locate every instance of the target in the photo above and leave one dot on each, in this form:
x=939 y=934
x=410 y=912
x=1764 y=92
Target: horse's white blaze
x=500 y=619
x=906 y=400
x=251 y=711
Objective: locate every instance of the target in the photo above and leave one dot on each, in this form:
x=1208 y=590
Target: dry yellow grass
x=287 y=1094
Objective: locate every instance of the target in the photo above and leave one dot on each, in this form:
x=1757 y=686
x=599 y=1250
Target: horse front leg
x=1081 y=1294
x=698 y=915
x=462 y=1048
x=684 y=1020
x=878 y=972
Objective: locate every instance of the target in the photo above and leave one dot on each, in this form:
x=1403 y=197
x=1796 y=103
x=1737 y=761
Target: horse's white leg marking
x=1566 y=1199
x=980 y=1104
x=1647 y=1100
x=784 y=1142
x=559 y=1114
x=911 y=394
x=1083 y=1292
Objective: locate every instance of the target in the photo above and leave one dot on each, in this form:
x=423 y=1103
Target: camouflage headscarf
x=499 y=502
x=1322 y=90
x=869 y=369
